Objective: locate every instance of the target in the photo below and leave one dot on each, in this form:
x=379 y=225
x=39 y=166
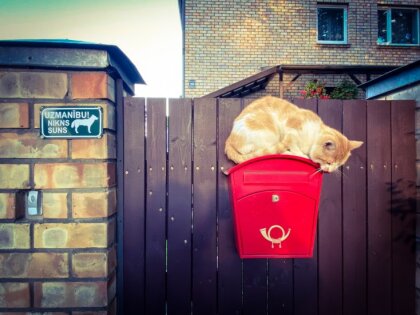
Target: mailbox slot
x=275 y=177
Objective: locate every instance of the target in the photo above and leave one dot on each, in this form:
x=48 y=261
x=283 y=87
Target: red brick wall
x=66 y=258
x=228 y=40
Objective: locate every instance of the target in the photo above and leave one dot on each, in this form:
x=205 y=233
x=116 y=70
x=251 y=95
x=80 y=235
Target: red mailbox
x=275 y=204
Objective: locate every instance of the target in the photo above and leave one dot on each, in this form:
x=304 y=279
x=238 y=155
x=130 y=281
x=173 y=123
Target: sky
x=147 y=31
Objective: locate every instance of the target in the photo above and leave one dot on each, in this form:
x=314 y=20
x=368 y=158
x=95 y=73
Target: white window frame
x=345 y=13
x=388 y=41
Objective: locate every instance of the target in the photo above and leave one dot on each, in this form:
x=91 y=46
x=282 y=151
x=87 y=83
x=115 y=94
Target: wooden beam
x=354 y=78
x=269 y=73
x=293 y=80
x=281 y=86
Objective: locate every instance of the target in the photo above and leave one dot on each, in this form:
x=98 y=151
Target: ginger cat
x=270 y=125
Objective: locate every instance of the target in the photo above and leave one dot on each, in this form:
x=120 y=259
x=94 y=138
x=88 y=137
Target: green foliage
x=346 y=90
x=314 y=89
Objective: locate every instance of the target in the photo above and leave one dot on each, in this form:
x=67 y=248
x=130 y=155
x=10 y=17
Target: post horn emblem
x=267 y=235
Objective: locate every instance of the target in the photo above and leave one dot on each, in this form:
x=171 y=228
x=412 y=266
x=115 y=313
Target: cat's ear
x=329 y=145
x=355 y=144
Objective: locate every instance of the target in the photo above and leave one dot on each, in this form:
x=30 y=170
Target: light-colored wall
x=229 y=40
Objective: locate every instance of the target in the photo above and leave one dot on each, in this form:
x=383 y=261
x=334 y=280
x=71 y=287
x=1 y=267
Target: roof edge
x=117 y=61
x=390 y=73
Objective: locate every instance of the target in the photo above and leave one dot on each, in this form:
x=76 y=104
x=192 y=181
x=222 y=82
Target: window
x=332 y=24
x=398 y=26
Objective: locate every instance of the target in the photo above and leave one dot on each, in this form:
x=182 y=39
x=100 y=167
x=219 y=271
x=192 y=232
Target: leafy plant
x=314 y=89
x=346 y=90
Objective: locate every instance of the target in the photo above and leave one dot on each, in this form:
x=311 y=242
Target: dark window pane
x=404 y=26
x=330 y=24
x=382 y=31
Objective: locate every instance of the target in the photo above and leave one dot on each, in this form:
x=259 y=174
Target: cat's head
x=332 y=150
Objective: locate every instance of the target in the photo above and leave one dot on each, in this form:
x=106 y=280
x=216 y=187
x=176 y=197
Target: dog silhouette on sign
x=83 y=122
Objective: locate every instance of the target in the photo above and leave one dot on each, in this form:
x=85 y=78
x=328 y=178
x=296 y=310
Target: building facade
x=226 y=41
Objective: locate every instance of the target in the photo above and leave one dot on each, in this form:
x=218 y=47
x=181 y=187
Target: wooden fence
x=179 y=255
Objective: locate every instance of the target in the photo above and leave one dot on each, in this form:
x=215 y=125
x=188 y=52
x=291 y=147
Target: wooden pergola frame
x=259 y=81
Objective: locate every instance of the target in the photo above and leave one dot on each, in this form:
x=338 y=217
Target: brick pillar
x=64 y=259
x=77 y=179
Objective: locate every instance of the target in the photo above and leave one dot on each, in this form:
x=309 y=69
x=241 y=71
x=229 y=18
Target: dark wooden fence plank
x=254 y=278
x=330 y=225
x=134 y=211
x=354 y=212
x=179 y=207
x=403 y=196
x=156 y=207
x=230 y=265
x=280 y=286
x=281 y=277
x=306 y=270
x=379 y=217
x=205 y=203
x=255 y=286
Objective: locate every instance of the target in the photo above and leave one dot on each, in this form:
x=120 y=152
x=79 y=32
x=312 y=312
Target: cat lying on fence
x=270 y=125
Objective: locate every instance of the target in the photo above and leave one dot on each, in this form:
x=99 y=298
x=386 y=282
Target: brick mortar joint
x=69 y=251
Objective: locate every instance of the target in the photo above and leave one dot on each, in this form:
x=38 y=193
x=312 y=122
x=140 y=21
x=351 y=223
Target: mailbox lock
x=275 y=198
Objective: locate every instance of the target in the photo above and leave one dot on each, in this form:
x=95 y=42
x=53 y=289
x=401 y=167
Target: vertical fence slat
x=254 y=278
x=354 y=212
x=156 y=207
x=230 y=265
x=134 y=212
x=403 y=195
x=306 y=270
x=204 y=204
x=284 y=274
x=280 y=286
x=281 y=273
x=379 y=217
x=255 y=286
x=179 y=207
x=330 y=225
